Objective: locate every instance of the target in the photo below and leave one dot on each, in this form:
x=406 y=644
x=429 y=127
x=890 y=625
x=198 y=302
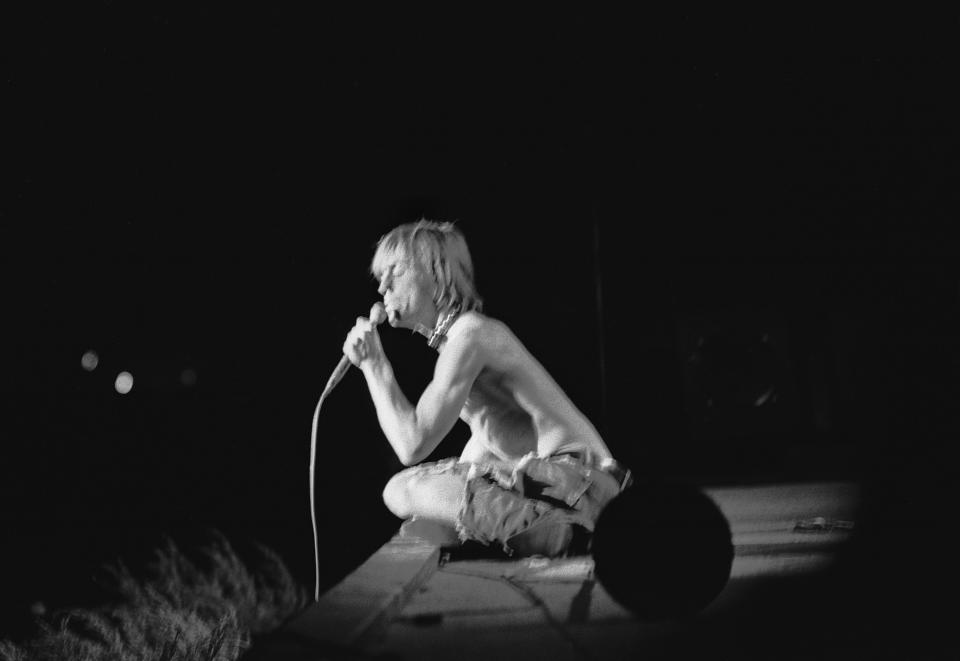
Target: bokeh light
x=90 y=360
x=124 y=383
x=188 y=377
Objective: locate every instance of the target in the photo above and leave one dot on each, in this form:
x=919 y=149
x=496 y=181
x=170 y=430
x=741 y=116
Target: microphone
x=378 y=315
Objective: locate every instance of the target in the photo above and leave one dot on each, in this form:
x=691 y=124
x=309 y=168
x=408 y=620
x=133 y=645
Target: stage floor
x=412 y=600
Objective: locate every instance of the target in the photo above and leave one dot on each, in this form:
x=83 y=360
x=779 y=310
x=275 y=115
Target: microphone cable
x=313 y=503
x=377 y=316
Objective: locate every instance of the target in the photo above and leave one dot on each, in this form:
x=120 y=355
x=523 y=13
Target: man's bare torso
x=515 y=407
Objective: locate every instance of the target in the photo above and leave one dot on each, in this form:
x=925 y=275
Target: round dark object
x=663 y=551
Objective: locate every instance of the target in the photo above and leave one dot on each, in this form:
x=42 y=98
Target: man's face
x=407 y=292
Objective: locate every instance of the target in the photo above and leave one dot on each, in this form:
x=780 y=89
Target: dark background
x=728 y=237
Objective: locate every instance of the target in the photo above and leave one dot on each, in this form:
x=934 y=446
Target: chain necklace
x=440 y=331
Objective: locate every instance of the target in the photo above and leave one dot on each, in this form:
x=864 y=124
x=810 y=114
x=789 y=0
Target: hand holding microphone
x=361 y=342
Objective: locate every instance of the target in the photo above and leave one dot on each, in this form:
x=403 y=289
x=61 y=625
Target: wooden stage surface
x=413 y=600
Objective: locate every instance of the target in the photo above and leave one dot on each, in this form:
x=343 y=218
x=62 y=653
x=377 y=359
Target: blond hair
x=439 y=248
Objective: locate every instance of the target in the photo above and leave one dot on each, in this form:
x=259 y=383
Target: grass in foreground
x=203 y=610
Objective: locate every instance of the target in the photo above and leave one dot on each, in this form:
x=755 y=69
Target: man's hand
x=363 y=340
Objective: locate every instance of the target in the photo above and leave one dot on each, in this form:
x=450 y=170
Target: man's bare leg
x=430 y=503
x=434 y=496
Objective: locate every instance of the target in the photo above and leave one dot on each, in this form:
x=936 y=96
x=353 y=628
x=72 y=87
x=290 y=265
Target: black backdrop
x=727 y=238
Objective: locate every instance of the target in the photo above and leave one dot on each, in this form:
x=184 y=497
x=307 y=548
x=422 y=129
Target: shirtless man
x=535 y=473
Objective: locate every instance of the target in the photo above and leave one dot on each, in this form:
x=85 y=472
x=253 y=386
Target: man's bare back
x=514 y=406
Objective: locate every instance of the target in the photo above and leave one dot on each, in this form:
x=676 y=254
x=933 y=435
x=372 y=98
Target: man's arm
x=415 y=431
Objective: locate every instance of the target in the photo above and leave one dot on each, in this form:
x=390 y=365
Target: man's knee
x=431 y=490
x=396 y=495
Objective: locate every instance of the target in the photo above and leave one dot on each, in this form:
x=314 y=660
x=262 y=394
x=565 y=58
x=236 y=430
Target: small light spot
x=124 y=383
x=188 y=377
x=769 y=396
x=90 y=360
